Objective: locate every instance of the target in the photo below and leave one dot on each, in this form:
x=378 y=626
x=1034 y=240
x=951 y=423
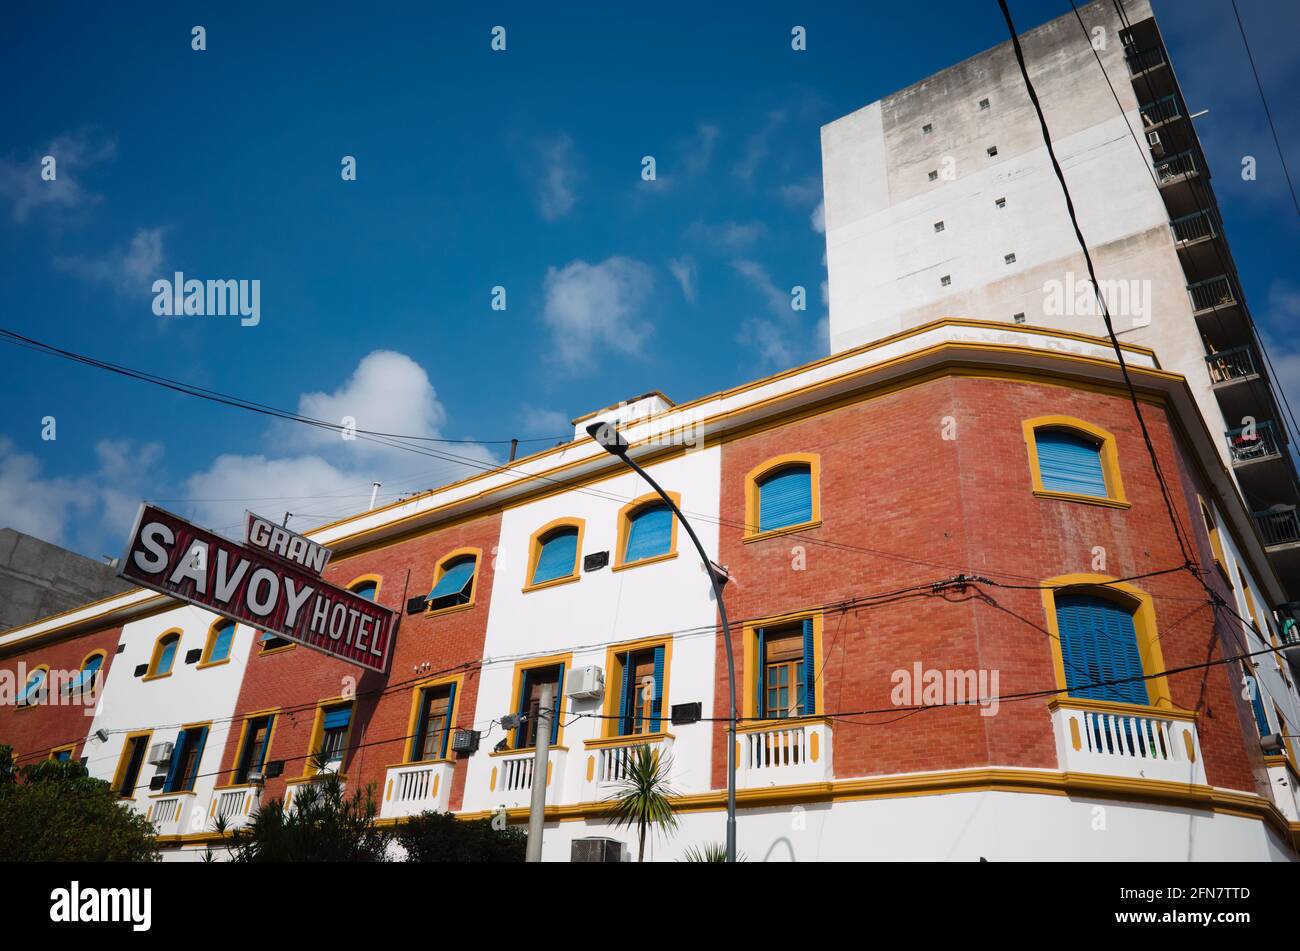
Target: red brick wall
x=295 y=680
x=902 y=506
x=33 y=731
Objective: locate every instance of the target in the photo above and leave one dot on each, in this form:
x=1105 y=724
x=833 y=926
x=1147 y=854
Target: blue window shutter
x=168 y=656
x=221 y=645
x=366 y=590
x=558 y=556
x=656 y=707
x=421 y=725
x=1099 y=643
x=170 y=784
x=338 y=718
x=555 y=709
x=454 y=579
x=266 y=740
x=1257 y=704
x=760 y=688
x=809 y=669
x=1068 y=462
x=785 y=498
x=625 y=696
x=650 y=533
x=450 y=725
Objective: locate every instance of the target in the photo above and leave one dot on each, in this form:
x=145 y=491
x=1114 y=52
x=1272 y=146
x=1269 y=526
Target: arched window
x=1099 y=645
x=554 y=553
x=783 y=493
x=221 y=637
x=34 y=688
x=646 y=531
x=1073 y=460
x=453 y=583
x=164 y=655
x=365 y=587
x=85 y=679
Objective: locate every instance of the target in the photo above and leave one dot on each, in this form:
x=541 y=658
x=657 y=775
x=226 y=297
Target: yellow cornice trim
x=608 y=742
x=1122 y=709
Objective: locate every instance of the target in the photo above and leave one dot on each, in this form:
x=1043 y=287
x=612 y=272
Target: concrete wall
x=38 y=579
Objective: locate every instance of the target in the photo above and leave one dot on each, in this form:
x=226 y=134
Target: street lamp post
x=612 y=441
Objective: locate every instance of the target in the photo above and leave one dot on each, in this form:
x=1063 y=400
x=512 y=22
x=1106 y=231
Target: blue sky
x=474 y=169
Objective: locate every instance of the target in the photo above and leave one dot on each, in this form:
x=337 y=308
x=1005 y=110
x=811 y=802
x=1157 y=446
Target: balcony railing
x=1140 y=60
x=776 y=753
x=511 y=781
x=1278 y=525
x=608 y=760
x=1170 y=168
x=1235 y=363
x=1162 y=110
x=1211 y=293
x=417 y=787
x=1111 y=739
x=1251 y=443
x=1193 y=227
x=236 y=806
x=171 y=814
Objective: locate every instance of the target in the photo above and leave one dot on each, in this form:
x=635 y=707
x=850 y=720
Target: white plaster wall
x=189 y=695
x=605 y=607
x=960 y=827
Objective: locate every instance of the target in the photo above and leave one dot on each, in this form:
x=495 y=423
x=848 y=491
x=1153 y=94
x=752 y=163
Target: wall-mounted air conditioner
x=1153 y=140
x=160 y=754
x=586 y=683
x=596 y=849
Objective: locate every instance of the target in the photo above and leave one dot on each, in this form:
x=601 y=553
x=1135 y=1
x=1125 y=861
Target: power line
x=1264 y=102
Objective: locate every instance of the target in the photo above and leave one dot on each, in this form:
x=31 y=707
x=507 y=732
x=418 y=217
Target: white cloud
x=593 y=307
x=778 y=301
x=130 y=271
x=779 y=342
x=313 y=489
x=538 y=421
x=698 y=150
x=757 y=147
x=557 y=178
x=21 y=182
x=818 y=218
x=683 y=269
x=729 y=235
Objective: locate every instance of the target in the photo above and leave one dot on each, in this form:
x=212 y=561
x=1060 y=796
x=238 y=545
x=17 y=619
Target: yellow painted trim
x=749 y=671
x=769 y=466
x=1144 y=623
x=535 y=552
x=624 y=523
x=361 y=579
x=408 y=747
x=1115 y=496
x=610 y=742
x=516 y=692
x=762 y=726
x=441 y=568
x=265 y=652
x=614 y=680
x=1121 y=709
x=152 y=672
x=70 y=747
x=274 y=714
x=99 y=674
x=124 y=760
x=206 y=661
x=1209 y=517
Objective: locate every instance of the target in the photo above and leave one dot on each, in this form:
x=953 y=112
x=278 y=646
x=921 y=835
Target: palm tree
x=643 y=798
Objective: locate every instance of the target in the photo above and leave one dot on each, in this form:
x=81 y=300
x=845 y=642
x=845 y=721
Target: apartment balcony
x=511 y=781
x=173 y=813
x=1141 y=60
x=1234 y=365
x=1113 y=739
x=1177 y=168
x=1279 y=526
x=783 y=753
x=1290 y=637
x=236 y=805
x=1157 y=113
x=417 y=787
x=1286 y=792
x=1212 y=294
x=1253 y=444
x=295 y=786
x=608 y=761
x=1199 y=226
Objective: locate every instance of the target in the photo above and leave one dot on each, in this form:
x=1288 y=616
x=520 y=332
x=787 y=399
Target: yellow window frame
x=1115 y=496
x=625 y=517
x=755 y=475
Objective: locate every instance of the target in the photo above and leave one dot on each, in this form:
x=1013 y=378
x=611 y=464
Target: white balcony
x=511 y=781
x=417 y=787
x=783 y=753
x=236 y=805
x=1115 y=739
x=608 y=761
x=174 y=814
x=1282 y=781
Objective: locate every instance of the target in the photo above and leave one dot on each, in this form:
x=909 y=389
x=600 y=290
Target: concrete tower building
x=941 y=200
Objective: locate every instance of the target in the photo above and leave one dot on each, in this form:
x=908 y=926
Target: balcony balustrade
x=1253 y=443
x=783 y=753
x=417 y=787
x=1116 y=740
x=1235 y=363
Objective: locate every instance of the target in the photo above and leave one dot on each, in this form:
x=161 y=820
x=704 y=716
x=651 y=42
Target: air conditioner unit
x=160 y=754
x=586 y=683
x=464 y=741
x=1153 y=140
x=596 y=849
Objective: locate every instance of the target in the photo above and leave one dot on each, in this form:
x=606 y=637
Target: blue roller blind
x=1099 y=643
x=167 y=656
x=650 y=534
x=558 y=556
x=87 y=675
x=337 y=718
x=785 y=498
x=454 y=580
x=1257 y=705
x=221 y=645
x=366 y=590
x=1069 y=462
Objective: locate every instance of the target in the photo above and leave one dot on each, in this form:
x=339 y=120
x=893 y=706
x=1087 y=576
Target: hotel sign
x=283 y=544
x=247 y=584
